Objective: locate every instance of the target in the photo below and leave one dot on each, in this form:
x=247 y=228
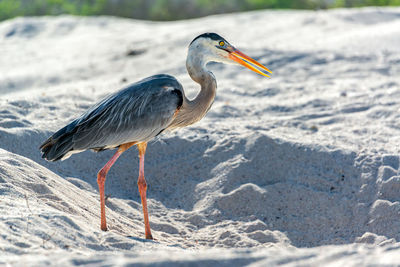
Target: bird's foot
x=149 y=236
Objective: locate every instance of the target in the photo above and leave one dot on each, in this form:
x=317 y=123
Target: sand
x=298 y=170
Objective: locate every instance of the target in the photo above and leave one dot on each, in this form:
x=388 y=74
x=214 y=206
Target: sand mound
x=307 y=159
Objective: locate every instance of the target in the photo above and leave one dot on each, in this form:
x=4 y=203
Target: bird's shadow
x=252 y=178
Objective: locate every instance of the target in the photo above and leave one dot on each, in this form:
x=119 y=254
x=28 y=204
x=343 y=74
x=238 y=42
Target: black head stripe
x=210 y=35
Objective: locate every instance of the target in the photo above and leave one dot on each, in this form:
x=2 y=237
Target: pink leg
x=142 y=185
x=101 y=178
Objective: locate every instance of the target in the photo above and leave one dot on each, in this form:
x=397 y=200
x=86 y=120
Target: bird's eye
x=222 y=43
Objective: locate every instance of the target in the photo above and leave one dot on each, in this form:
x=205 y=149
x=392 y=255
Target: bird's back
x=136 y=113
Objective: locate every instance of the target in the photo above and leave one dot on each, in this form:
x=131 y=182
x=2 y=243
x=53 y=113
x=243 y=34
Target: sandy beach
x=298 y=170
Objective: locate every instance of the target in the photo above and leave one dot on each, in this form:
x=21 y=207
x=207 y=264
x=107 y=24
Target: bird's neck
x=204 y=99
x=195 y=109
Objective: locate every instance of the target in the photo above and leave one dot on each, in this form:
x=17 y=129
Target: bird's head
x=212 y=47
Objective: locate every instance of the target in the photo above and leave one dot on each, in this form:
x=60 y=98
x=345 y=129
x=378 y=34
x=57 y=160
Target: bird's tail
x=58 y=145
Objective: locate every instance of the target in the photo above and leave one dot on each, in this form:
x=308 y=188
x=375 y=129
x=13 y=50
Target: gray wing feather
x=134 y=114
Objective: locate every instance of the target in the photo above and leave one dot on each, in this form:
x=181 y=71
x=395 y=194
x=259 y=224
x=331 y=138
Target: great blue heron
x=141 y=111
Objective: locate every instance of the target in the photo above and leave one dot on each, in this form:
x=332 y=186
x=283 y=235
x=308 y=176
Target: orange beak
x=245 y=60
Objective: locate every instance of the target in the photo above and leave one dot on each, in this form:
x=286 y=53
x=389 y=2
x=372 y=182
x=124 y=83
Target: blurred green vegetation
x=166 y=9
